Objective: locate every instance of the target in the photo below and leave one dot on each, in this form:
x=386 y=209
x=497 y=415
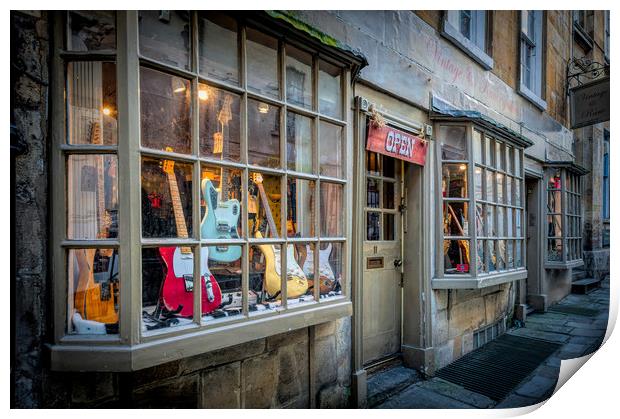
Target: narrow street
x=578 y=323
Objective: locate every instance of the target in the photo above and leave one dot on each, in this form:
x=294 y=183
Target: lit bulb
x=107 y=111
x=478 y=170
x=263 y=107
x=179 y=89
x=462 y=167
x=203 y=95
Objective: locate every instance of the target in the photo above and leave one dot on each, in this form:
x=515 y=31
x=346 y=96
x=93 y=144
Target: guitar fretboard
x=177 y=207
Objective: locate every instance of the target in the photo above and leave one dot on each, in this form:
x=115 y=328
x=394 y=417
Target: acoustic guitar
x=297 y=283
x=177 y=290
x=95 y=301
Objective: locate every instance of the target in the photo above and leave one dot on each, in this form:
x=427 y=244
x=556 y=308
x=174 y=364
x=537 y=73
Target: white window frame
x=476 y=46
x=532 y=88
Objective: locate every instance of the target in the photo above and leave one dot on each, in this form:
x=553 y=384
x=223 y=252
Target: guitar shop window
x=482 y=202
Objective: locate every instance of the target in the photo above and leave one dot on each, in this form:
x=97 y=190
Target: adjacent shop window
x=236 y=169
x=469 y=30
x=531 y=57
x=564 y=217
x=482 y=202
x=382 y=197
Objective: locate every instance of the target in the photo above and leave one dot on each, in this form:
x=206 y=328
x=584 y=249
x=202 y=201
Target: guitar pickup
x=223 y=227
x=189 y=283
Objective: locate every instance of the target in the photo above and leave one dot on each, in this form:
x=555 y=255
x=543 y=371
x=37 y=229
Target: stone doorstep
x=386 y=383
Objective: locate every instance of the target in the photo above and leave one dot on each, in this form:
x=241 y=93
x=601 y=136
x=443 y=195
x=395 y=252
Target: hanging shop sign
x=589 y=103
x=396 y=143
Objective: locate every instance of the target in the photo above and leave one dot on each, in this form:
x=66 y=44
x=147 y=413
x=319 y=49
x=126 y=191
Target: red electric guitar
x=177 y=290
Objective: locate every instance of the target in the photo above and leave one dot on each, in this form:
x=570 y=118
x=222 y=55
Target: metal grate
x=575 y=309
x=489 y=333
x=498 y=367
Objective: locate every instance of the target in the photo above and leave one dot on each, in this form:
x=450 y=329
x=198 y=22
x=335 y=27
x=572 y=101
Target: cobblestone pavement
x=579 y=335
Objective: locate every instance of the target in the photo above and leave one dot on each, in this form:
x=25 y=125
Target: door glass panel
x=389 y=227
x=389 y=167
x=372 y=193
x=389 y=197
x=373 y=161
x=373 y=223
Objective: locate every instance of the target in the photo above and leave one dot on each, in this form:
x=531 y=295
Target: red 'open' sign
x=396 y=143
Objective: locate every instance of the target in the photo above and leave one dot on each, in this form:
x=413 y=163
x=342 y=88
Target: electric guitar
x=95 y=301
x=297 y=283
x=177 y=290
x=220 y=222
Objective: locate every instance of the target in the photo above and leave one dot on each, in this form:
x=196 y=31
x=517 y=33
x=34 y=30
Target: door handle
x=398 y=263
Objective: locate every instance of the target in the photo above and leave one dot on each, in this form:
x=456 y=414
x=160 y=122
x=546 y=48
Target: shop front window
x=240 y=179
x=481 y=225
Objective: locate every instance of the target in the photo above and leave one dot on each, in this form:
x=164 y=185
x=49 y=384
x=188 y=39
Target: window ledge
x=564 y=265
x=582 y=37
x=123 y=358
x=467 y=46
x=532 y=97
x=479 y=282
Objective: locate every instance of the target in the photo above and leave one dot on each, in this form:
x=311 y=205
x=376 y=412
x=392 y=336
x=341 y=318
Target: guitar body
x=297 y=283
x=327 y=279
x=220 y=222
x=177 y=290
x=88 y=295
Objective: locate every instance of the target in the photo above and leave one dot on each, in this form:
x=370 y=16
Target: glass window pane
x=331 y=267
x=225 y=275
x=389 y=166
x=298 y=77
x=166 y=198
x=518 y=230
x=554 y=180
x=499 y=181
x=490 y=189
x=219 y=50
x=165 y=111
x=265 y=277
x=330 y=96
x=554 y=250
x=262 y=61
x=454 y=183
x=332 y=214
x=554 y=225
x=373 y=163
x=331 y=157
x=519 y=254
x=300 y=217
x=501 y=232
x=92 y=30
x=518 y=170
x=91 y=97
x=93 y=291
x=509 y=160
x=389 y=197
x=517 y=192
x=477 y=141
x=453 y=142
x=264 y=134
x=509 y=223
x=488 y=152
x=92 y=196
x=499 y=156
x=373 y=226
x=501 y=255
x=372 y=193
x=389 y=227
x=481 y=265
x=300 y=259
x=491 y=221
x=165 y=36
x=220 y=124
x=492 y=255
x=510 y=263
x=509 y=190
x=456 y=256
x=299 y=143
x=455 y=221
x=264 y=197
x=220 y=209
x=554 y=202
x=478 y=183
x=480 y=219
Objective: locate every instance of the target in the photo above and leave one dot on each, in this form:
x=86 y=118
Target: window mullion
x=196 y=177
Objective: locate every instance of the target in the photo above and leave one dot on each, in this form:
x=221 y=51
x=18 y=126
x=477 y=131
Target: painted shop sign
x=589 y=104
x=396 y=143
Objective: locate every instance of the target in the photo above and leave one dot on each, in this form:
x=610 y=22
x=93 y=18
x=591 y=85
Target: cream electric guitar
x=297 y=283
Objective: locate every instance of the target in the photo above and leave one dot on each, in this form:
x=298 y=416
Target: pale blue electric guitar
x=220 y=222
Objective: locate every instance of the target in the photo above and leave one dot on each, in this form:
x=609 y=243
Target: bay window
x=205 y=185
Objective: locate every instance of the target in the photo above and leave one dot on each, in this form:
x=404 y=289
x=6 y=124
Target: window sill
x=564 y=265
x=582 y=38
x=467 y=46
x=480 y=282
x=532 y=97
x=105 y=357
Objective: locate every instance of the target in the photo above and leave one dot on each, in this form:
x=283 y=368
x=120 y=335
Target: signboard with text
x=589 y=103
x=396 y=143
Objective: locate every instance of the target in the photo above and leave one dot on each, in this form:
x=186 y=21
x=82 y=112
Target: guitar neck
x=177 y=207
x=96 y=138
x=265 y=202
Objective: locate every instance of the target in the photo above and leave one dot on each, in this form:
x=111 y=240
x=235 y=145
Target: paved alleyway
x=579 y=334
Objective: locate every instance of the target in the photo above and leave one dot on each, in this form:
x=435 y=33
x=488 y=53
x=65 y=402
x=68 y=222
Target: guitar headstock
x=168 y=165
x=257 y=178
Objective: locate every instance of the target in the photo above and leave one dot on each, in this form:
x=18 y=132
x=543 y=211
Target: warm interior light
x=179 y=89
x=203 y=94
x=462 y=167
x=263 y=107
x=478 y=170
x=107 y=111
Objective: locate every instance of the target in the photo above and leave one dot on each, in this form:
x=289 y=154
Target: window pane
x=456 y=256
x=297 y=291
x=217 y=40
x=477 y=141
x=331 y=149
x=298 y=77
x=389 y=227
x=518 y=170
x=509 y=223
x=465 y=23
x=554 y=250
x=93 y=291
x=91 y=97
x=554 y=225
x=478 y=183
x=454 y=184
x=330 y=96
x=373 y=161
x=166 y=198
x=519 y=254
x=554 y=201
x=165 y=111
x=220 y=125
x=92 y=30
x=500 y=188
x=509 y=190
x=389 y=197
x=554 y=180
x=372 y=193
x=265 y=277
x=455 y=221
x=510 y=263
x=332 y=215
x=517 y=192
x=299 y=143
x=262 y=61
x=490 y=190
x=264 y=197
x=92 y=196
x=492 y=255
x=373 y=226
x=300 y=212
x=481 y=265
x=518 y=230
x=225 y=275
x=453 y=142
x=220 y=209
x=501 y=254
x=389 y=166
x=331 y=268
x=480 y=219
x=488 y=152
x=499 y=156
x=264 y=134
x=165 y=35
x=501 y=232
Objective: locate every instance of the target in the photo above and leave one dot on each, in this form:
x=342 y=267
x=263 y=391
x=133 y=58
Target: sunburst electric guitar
x=296 y=281
x=177 y=290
